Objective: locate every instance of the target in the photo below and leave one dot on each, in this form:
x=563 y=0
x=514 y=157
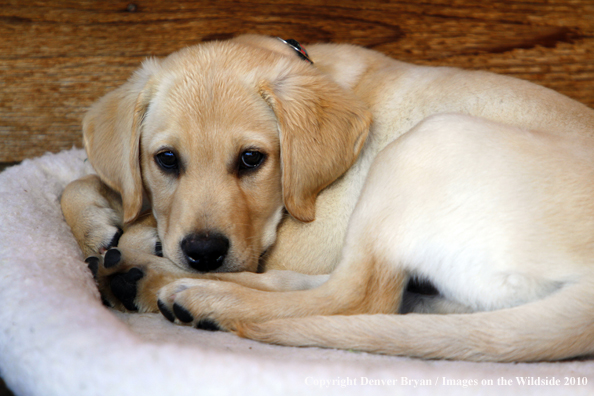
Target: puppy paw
x=116 y=282
x=124 y=287
x=203 y=324
x=128 y=279
x=207 y=304
x=184 y=316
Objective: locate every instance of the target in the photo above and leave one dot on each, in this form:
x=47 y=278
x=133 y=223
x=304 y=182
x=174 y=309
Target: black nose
x=205 y=252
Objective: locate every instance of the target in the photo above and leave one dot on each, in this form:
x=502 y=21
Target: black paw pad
x=93 y=264
x=112 y=258
x=165 y=311
x=208 y=324
x=182 y=314
x=123 y=286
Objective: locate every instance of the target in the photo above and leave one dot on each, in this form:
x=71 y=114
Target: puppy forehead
x=199 y=111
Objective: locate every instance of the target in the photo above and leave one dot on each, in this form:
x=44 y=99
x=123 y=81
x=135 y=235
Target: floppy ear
x=111 y=136
x=322 y=130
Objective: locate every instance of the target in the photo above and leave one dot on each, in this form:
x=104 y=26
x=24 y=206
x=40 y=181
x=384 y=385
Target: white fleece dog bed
x=56 y=338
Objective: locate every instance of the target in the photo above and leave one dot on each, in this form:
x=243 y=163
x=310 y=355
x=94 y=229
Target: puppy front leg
x=357 y=286
x=273 y=280
x=94 y=213
x=129 y=278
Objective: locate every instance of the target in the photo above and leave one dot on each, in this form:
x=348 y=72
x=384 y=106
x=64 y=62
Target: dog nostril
x=205 y=252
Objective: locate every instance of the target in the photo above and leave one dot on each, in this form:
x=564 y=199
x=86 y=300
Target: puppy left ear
x=111 y=135
x=323 y=127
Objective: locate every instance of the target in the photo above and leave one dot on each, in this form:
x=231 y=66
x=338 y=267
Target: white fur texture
x=57 y=339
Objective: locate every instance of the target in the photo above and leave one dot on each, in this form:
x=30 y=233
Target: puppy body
x=509 y=237
x=481 y=207
x=400 y=96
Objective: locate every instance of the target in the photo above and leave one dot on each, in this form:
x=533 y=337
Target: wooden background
x=57 y=57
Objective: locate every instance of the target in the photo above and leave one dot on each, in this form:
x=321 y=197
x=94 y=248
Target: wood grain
x=57 y=57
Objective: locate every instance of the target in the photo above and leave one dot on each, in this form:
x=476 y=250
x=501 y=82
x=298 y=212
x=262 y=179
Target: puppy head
x=221 y=137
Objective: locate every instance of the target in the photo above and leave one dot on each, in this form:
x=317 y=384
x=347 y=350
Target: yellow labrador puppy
x=479 y=184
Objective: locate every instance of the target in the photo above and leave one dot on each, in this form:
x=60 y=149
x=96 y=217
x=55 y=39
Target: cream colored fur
x=480 y=183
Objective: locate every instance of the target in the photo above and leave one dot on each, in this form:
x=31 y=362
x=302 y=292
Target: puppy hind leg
x=365 y=281
x=364 y=284
x=373 y=277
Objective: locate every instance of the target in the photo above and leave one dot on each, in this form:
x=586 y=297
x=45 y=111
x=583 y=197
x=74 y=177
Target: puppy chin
x=233 y=264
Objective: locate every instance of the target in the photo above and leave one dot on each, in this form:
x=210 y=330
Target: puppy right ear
x=111 y=136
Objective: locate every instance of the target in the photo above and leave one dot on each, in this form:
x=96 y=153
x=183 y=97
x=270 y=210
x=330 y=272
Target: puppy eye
x=251 y=159
x=167 y=161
